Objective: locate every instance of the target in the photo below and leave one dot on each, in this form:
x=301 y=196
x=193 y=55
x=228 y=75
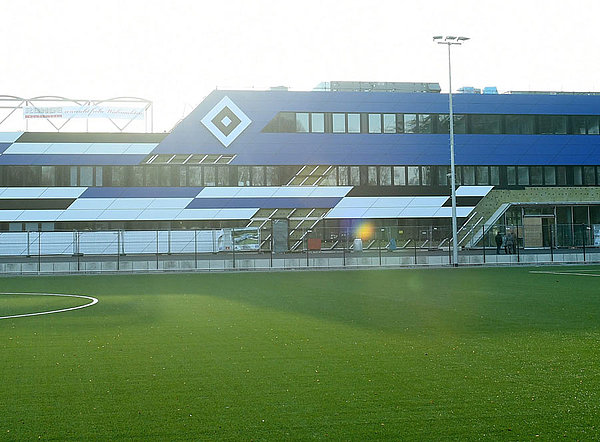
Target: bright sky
x=174 y=52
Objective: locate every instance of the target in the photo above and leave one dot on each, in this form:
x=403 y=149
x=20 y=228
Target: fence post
x=118 y=249
x=379 y=248
x=415 y=249
x=517 y=244
x=195 y=249
x=551 y=247
x=271 y=255
x=306 y=236
x=233 y=245
x=583 y=232
x=157 y=250
x=484 y=241
x=344 y=247
x=449 y=253
x=39 y=251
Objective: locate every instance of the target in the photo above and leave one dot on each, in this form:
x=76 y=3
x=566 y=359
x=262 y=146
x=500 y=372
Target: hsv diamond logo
x=226 y=121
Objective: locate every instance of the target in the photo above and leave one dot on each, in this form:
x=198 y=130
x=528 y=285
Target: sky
x=175 y=52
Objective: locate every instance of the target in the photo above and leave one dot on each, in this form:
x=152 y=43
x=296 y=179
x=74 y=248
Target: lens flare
x=365 y=231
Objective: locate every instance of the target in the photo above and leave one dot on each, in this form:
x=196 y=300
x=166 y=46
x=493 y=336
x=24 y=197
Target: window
x=317 y=122
x=410 y=123
x=194 y=176
x=372 y=175
x=443 y=175
x=593 y=126
x=399 y=176
x=272 y=176
x=243 y=175
x=482 y=176
x=460 y=124
x=523 y=175
x=86 y=176
x=549 y=176
x=589 y=175
x=209 y=176
x=355 y=176
x=468 y=175
x=353 y=123
x=343 y=175
x=577 y=176
x=426 y=175
x=578 y=124
x=511 y=175
x=73 y=176
x=385 y=176
x=413 y=175
x=287 y=122
x=519 y=124
x=374 y=123
x=552 y=124
x=48 y=176
x=258 y=175
x=99 y=176
x=339 y=123
x=494 y=175
x=389 y=123
x=301 y=122
x=485 y=124
x=535 y=176
x=443 y=125
x=425 y=124
x=561 y=175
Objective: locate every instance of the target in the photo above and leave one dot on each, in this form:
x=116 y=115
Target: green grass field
x=497 y=353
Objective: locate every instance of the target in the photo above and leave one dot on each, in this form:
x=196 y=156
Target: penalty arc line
x=91 y=298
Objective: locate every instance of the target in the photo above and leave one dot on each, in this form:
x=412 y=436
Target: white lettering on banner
x=129 y=113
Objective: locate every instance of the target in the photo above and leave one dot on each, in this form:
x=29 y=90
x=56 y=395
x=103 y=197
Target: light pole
x=449 y=41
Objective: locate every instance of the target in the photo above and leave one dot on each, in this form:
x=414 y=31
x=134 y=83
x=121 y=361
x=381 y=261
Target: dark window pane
x=536 y=177
x=577 y=176
x=410 y=123
x=523 y=175
x=552 y=124
x=578 y=124
x=243 y=175
x=443 y=175
x=385 y=176
x=413 y=176
x=443 y=125
x=425 y=126
x=468 y=175
x=485 y=124
x=426 y=175
x=519 y=124
x=592 y=125
x=549 y=176
x=400 y=123
x=389 y=123
x=460 y=124
x=589 y=176
x=511 y=175
x=399 y=176
x=561 y=176
x=494 y=175
x=482 y=175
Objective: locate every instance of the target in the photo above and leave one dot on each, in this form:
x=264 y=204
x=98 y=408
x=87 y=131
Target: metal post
x=415 y=248
x=39 y=251
x=379 y=248
x=483 y=236
x=344 y=247
x=452 y=167
x=271 y=255
x=195 y=249
x=118 y=249
x=517 y=244
x=157 y=250
x=306 y=236
x=583 y=232
x=233 y=245
x=551 y=247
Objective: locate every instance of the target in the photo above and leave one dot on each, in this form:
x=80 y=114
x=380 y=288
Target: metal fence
x=364 y=245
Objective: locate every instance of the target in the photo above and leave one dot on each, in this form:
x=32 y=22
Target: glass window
x=353 y=123
x=385 y=176
x=137 y=176
x=48 y=176
x=443 y=175
x=222 y=176
x=355 y=176
x=399 y=123
x=577 y=176
x=194 y=176
x=302 y=122
x=73 y=176
x=482 y=175
x=561 y=175
x=166 y=176
x=399 y=176
x=182 y=175
x=523 y=175
x=552 y=124
x=410 y=123
x=443 y=125
x=272 y=176
x=580 y=214
x=210 y=178
x=485 y=124
x=519 y=124
x=374 y=123
x=86 y=176
x=372 y=175
x=317 y=122
x=99 y=176
x=413 y=175
x=494 y=175
x=460 y=124
x=589 y=175
x=343 y=175
x=592 y=125
x=330 y=179
x=339 y=123
x=468 y=175
x=389 y=123
x=535 y=176
x=287 y=122
x=549 y=176
x=578 y=125
x=425 y=126
x=426 y=175
x=243 y=175
x=258 y=176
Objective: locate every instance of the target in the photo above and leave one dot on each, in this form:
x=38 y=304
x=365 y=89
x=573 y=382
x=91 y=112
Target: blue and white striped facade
x=232 y=124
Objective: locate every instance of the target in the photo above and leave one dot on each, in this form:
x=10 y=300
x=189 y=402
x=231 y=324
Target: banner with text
x=128 y=113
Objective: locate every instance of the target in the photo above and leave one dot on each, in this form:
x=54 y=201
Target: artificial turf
x=498 y=353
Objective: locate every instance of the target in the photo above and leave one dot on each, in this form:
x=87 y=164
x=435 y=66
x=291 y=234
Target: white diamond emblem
x=226 y=121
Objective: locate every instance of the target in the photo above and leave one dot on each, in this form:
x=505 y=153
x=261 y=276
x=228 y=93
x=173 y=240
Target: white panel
x=418 y=212
x=98 y=243
x=15 y=243
x=9 y=137
x=197 y=214
x=169 y=203
x=9 y=215
x=23 y=192
x=382 y=213
x=27 y=148
x=393 y=201
x=107 y=148
x=293 y=191
x=67 y=148
x=256 y=192
x=119 y=215
x=56 y=243
x=352 y=201
x=63 y=192
x=130 y=203
x=326 y=191
x=473 y=190
x=218 y=192
x=349 y=212
x=446 y=212
x=182 y=241
x=428 y=201
x=80 y=215
x=140 y=148
x=91 y=203
x=158 y=214
x=40 y=215
x=236 y=213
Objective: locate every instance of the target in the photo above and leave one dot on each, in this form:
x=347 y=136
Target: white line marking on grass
x=564 y=273
x=94 y=301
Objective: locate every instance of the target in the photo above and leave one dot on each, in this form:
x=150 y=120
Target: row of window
x=393 y=123
x=175 y=176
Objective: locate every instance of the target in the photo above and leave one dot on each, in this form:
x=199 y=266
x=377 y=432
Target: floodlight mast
x=449 y=41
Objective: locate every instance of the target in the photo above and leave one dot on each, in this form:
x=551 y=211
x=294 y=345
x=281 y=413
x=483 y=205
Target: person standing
x=510 y=243
x=499 y=241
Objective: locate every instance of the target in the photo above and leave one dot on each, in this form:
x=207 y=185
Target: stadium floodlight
x=449 y=41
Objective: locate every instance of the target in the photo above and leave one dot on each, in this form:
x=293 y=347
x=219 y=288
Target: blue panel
x=4 y=146
x=141 y=192
x=263 y=203
x=71 y=160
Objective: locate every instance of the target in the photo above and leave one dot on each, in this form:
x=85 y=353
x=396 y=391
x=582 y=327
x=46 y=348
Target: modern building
x=320 y=159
